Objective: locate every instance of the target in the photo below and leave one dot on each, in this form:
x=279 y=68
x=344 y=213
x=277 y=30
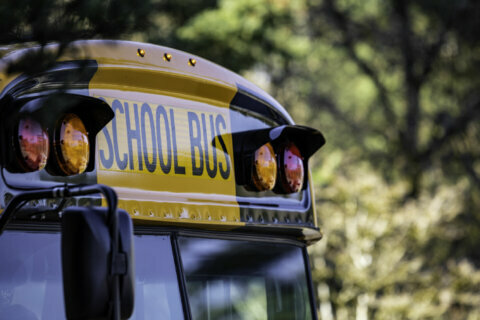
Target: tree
x=411 y=52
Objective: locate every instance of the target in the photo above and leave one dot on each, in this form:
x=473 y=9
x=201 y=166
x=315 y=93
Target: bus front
x=211 y=171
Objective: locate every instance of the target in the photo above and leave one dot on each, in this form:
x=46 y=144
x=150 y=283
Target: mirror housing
x=86 y=263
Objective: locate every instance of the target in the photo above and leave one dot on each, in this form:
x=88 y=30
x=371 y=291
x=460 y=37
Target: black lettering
x=107 y=163
x=225 y=173
x=121 y=163
x=166 y=167
x=195 y=142
x=211 y=172
x=133 y=134
x=147 y=111
x=177 y=168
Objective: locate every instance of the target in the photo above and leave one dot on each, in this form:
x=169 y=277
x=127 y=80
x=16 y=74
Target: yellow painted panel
x=168 y=151
x=158 y=81
x=172 y=213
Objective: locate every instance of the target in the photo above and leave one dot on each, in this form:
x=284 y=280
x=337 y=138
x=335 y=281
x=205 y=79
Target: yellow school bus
x=143 y=182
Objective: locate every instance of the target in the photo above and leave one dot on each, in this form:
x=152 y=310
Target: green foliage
x=405 y=260
x=41 y=22
x=44 y=21
x=241 y=33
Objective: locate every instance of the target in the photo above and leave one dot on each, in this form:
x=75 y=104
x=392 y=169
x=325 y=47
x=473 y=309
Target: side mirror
x=88 y=272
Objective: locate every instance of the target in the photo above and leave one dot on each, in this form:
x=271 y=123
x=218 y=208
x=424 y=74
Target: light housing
x=264 y=169
x=31 y=144
x=293 y=146
x=71 y=143
x=46 y=108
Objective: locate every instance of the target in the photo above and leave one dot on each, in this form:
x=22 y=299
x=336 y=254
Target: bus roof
x=126 y=53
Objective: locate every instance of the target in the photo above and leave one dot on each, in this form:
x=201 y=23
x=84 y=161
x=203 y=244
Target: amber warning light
x=71 y=145
x=264 y=168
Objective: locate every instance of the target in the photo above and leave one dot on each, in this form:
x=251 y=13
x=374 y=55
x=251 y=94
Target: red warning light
x=293 y=171
x=32 y=146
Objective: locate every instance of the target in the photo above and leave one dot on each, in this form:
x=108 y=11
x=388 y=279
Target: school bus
x=143 y=182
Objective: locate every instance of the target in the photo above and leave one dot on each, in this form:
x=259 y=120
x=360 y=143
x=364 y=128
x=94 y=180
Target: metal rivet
x=141 y=52
x=167 y=56
x=192 y=62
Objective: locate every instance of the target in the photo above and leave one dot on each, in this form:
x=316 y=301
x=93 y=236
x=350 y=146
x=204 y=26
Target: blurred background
x=394 y=87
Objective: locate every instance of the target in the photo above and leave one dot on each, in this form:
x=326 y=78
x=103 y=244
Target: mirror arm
x=18 y=201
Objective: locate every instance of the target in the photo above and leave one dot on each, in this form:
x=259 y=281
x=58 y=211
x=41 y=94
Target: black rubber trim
x=311 y=289
x=241 y=237
x=182 y=281
x=34 y=226
x=65 y=75
x=247 y=100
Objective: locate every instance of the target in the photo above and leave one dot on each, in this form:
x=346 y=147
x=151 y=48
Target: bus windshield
x=225 y=279
x=233 y=279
